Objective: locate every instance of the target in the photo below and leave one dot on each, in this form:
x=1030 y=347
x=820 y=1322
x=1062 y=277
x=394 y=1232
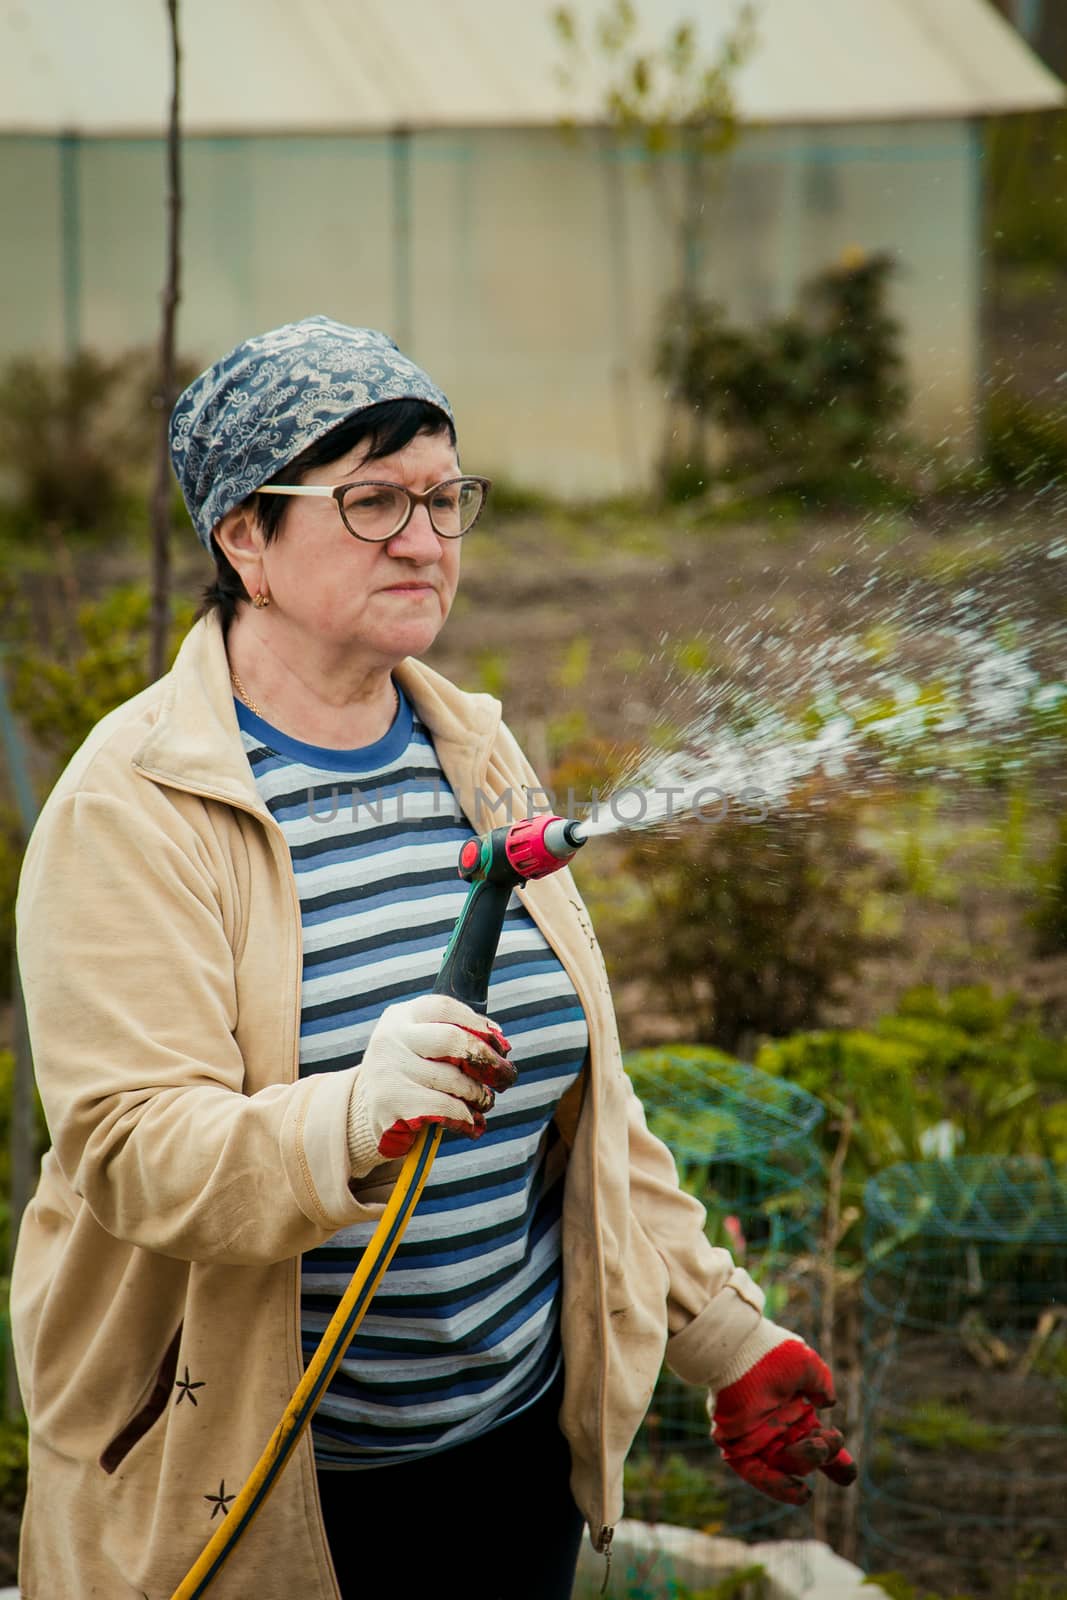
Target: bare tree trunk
x=161 y=493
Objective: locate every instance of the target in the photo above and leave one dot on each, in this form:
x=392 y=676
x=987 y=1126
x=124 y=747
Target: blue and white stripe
x=464 y=1330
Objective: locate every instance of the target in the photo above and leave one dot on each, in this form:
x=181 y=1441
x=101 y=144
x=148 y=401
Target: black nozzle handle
x=468 y=963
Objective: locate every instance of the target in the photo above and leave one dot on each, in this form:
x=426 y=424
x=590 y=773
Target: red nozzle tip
x=468 y=856
x=529 y=852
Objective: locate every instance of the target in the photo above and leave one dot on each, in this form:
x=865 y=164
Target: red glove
x=763 y=1417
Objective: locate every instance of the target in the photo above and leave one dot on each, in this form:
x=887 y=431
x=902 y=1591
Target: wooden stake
x=161 y=493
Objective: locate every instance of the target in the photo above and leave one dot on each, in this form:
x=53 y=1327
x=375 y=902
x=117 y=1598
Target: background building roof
x=337 y=65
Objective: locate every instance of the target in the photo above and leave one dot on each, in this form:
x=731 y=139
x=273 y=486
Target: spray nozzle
x=536 y=846
x=530 y=848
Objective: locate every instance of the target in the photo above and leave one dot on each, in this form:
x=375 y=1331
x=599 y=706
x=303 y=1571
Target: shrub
x=757 y=926
x=62 y=699
x=966 y=1073
x=58 y=437
x=1024 y=447
x=805 y=403
x=687 y=1489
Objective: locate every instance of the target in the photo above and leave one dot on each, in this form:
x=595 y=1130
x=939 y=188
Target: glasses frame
x=338 y=491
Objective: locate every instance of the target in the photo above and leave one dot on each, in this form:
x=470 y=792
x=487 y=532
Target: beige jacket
x=159 y=945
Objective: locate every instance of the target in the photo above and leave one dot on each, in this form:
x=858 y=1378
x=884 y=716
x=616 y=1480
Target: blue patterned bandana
x=250 y=414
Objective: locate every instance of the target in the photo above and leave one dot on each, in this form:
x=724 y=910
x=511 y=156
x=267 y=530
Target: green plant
x=1024 y=446
x=64 y=691
x=965 y=1073
x=1048 y=918
x=805 y=404
x=679 y=107
x=61 y=440
x=757 y=925
x=14 y=1456
x=492 y=666
x=510 y=499
x=935 y=1425
x=1025 y=222
x=897 y=1587
x=77 y=438
x=672 y=1488
x=574 y=668
x=745 y=1584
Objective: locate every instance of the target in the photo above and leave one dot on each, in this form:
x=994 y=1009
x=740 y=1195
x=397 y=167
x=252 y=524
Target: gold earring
x=259 y=599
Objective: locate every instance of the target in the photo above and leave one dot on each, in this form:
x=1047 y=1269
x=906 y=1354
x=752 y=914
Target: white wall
x=524 y=272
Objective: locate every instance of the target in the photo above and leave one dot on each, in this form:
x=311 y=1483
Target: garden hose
x=493 y=865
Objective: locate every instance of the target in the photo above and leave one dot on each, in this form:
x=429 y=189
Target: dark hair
x=388 y=427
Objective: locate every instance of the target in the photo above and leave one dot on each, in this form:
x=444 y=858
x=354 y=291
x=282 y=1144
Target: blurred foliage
x=898 y=1587
x=1023 y=445
x=94 y=660
x=62 y=690
x=41 y=1142
x=757 y=928
x=965 y=1073
x=670 y=97
x=936 y=1425
x=77 y=439
x=1048 y=918
x=1025 y=164
x=10 y=864
x=806 y=404
x=690 y=1489
x=678 y=107
x=491 y=672
x=14 y=1461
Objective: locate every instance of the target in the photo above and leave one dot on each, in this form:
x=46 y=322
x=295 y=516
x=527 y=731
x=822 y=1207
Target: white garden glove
x=431 y=1059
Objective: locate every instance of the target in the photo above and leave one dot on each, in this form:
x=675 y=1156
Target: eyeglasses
x=379 y=511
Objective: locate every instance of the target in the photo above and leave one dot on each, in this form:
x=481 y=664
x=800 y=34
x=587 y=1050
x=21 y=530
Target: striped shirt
x=463 y=1332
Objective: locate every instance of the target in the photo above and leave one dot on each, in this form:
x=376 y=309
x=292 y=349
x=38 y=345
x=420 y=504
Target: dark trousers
x=490 y=1520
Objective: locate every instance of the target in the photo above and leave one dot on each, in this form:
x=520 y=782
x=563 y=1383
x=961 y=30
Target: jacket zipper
x=602 y=1543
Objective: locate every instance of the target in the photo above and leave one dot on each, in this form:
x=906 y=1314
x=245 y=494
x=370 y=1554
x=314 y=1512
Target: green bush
x=675 y=1489
x=967 y=1073
x=805 y=404
x=934 y=1425
x=1024 y=446
x=757 y=927
x=77 y=438
x=14 y=1457
x=62 y=694
x=1026 y=224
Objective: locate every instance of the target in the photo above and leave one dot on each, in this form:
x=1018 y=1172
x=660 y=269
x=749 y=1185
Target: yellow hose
x=324 y=1363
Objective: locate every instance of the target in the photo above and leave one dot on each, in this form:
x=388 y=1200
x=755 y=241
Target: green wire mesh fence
x=744 y=1143
x=964 y=1458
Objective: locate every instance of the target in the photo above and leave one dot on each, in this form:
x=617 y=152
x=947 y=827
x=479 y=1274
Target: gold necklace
x=243 y=692
x=251 y=704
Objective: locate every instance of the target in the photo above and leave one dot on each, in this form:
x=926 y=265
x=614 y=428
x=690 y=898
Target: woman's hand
x=764 y=1419
x=431 y=1059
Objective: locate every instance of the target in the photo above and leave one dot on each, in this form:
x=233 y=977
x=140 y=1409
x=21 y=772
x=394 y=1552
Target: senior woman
x=230 y=918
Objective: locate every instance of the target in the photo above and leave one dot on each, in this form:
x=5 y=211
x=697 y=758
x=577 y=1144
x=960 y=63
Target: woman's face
x=388 y=600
